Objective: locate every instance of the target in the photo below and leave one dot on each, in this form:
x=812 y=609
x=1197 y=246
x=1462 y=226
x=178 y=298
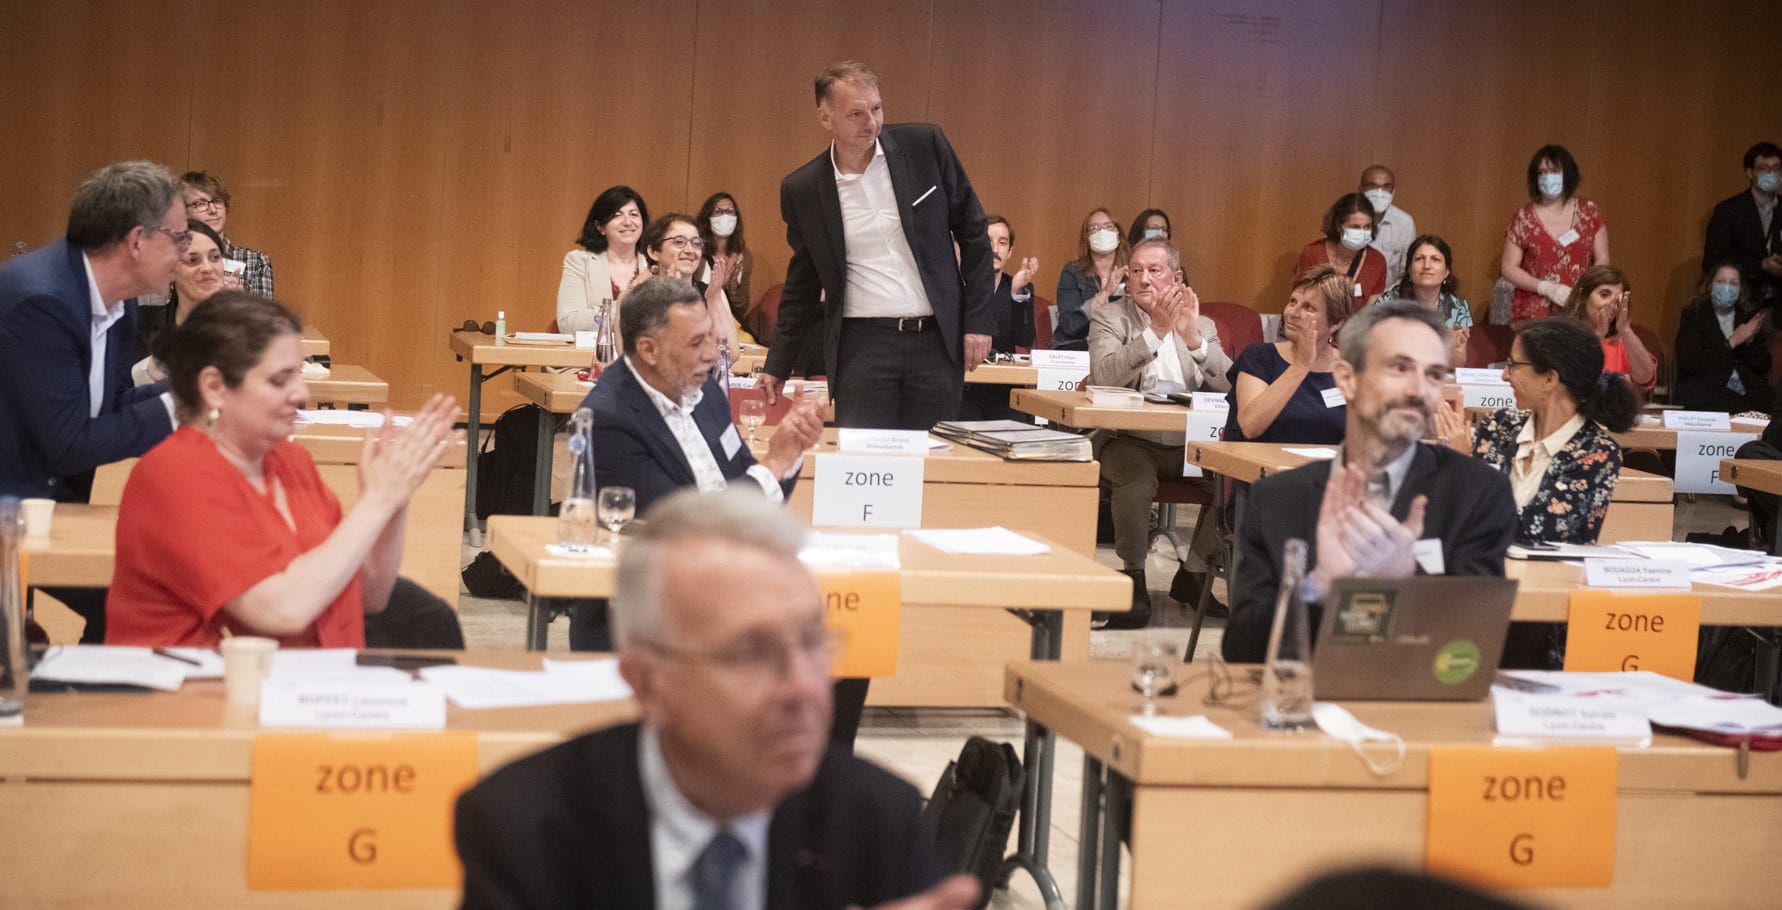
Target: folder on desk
x=1016 y=441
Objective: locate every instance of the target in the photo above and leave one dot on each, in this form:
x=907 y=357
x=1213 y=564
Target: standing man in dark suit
x=872 y=223
x=1744 y=227
x=662 y=423
x=1388 y=506
x=67 y=335
x=725 y=795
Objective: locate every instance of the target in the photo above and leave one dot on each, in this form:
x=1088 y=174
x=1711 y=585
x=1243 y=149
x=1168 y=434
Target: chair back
x=1488 y=344
x=769 y=313
x=1042 y=323
x=1238 y=325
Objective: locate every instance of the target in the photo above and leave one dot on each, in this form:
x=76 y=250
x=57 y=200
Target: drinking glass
x=1151 y=663
x=617 y=505
x=753 y=412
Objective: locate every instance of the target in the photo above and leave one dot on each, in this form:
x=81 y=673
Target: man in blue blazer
x=67 y=337
x=662 y=423
x=873 y=223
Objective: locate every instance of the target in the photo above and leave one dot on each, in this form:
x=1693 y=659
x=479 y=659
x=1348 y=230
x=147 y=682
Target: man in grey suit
x=1152 y=338
x=872 y=222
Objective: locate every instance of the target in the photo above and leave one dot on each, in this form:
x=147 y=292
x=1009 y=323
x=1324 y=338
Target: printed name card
x=351 y=705
x=855 y=440
x=867 y=491
x=1211 y=401
x=1487 y=396
x=1608 y=632
x=1060 y=370
x=1697 y=420
x=585 y=341
x=1333 y=398
x=1478 y=376
x=864 y=608
x=1699 y=453
x=369 y=811
x=1637 y=573
x=1569 y=717
x=1206 y=421
x=1523 y=818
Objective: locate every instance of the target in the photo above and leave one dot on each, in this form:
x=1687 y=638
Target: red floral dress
x=1546 y=259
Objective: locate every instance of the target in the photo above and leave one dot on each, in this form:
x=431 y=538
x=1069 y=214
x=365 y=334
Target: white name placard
x=584 y=341
x=856 y=440
x=1697 y=420
x=1205 y=421
x=1636 y=573
x=867 y=491
x=1478 y=376
x=1487 y=396
x=1699 y=453
x=351 y=705
x=1599 y=717
x=1066 y=380
x=1212 y=401
x=1061 y=360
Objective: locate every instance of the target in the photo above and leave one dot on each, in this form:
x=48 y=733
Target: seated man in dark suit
x=725 y=795
x=1389 y=506
x=1011 y=302
x=67 y=339
x=1744 y=227
x=662 y=423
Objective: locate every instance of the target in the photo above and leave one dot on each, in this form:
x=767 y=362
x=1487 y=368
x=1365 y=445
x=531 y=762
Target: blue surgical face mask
x=1725 y=295
x=1156 y=232
x=1768 y=180
x=1551 y=184
x=1356 y=238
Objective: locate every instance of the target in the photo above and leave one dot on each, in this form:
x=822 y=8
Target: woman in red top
x=227 y=527
x=1552 y=239
x=1600 y=301
x=1348 y=229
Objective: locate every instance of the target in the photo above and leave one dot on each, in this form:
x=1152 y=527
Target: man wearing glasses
x=67 y=339
x=725 y=794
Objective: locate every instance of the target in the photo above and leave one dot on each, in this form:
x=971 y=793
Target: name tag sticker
x=1699 y=453
x=1428 y=553
x=1487 y=396
x=731 y=441
x=1523 y=818
x=333 y=811
x=1697 y=420
x=867 y=491
x=854 y=440
x=1569 y=237
x=1333 y=398
x=1607 y=632
x=864 y=608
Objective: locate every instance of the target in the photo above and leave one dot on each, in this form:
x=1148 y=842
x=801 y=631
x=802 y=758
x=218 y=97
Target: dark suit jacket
x=634 y=448
x=1735 y=231
x=1470 y=509
x=1014 y=320
x=959 y=289
x=49 y=446
x=568 y=827
x=1705 y=364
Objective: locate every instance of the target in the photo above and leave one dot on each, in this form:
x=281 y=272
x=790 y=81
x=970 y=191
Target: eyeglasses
x=199 y=205
x=723 y=211
x=1512 y=364
x=763 y=658
x=681 y=243
x=181 y=239
x=487 y=328
x=1102 y=226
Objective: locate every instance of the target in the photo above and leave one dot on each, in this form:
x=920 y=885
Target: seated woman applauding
x=1599 y=301
x=1285 y=392
x=672 y=247
x=1555 y=444
x=227 y=527
x=1723 y=348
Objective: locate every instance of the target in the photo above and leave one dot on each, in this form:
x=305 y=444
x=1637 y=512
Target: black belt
x=907 y=325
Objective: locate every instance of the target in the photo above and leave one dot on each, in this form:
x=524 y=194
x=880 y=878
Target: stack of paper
x=101 y=665
x=824 y=550
x=1017 y=441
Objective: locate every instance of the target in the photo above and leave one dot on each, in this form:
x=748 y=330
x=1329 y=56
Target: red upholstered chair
x=1042 y=323
x=1488 y=344
x=553 y=329
x=1667 y=361
x=769 y=308
x=1238 y=325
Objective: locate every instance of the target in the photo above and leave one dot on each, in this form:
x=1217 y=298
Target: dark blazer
x=1470 y=509
x=1735 y=231
x=634 y=448
x=49 y=446
x=568 y=827
x=959 y=288
x=1577 y=488
x=1705 y=364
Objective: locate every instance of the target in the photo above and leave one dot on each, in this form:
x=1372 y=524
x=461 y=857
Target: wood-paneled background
x=412 y=163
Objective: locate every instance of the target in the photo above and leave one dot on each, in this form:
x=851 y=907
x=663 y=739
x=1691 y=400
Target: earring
x=211 y=418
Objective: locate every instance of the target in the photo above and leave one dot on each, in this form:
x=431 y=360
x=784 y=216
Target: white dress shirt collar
x=878 y=155
x=679 y=832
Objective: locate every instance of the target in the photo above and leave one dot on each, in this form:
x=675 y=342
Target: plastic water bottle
x=577 y=529
x=1287 y=674
x=14 y=674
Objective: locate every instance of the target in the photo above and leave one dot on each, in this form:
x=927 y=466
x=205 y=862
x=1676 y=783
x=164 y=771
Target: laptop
x=1424 y=638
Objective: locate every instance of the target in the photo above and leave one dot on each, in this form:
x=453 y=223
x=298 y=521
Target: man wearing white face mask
x=1744 y=228
x=1395 y=226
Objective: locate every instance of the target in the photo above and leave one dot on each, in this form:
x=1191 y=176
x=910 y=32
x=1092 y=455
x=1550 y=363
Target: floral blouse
x=1544 y=257
x=1579 y=483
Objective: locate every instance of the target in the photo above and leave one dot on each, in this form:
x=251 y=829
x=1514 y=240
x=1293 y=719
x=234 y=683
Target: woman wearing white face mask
x=721 y=227
x=1723 y=347
x=1553 y=238
x=1094 y=277
x=1348 y=229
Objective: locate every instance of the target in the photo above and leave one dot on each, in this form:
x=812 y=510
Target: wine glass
x=1151 y=662
x=616 y=507
x=753 y=412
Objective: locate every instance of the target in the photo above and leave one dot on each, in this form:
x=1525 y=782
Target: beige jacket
x=1118 y=355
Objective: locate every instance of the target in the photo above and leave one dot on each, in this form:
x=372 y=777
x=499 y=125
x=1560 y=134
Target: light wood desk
x=314 y=342
x=1230 y=823
x=1544 y=593
x=1648 y=432
x=141 y=799
x=1758 y=474
x=1072 y=409
x=348 y=385
x=80 y=551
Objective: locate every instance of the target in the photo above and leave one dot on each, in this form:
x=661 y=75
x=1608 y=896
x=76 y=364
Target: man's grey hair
x=1149 y=243
x=738 y=516
x=1353 y=340
x=643 y=310
x=843 y=71
x=117 y=199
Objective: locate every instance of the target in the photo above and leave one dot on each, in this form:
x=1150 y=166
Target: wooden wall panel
x=412 y=164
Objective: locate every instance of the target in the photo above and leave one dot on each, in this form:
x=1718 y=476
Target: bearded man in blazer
x=873 y=222
x=725 y=794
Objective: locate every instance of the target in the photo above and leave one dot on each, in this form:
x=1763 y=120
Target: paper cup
x=38 y=514
x=246 y=661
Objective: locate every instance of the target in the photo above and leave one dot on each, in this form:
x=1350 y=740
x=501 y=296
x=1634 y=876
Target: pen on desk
x=163 y=652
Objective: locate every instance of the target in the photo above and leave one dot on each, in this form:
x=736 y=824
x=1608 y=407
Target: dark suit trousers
x=891 y=380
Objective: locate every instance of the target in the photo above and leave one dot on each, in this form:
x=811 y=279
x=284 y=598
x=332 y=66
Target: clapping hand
x=1450 y=426
x=1187 y=314
x=1358 y=537
x=800 y=429
x=1024 y=277
x=392 y=462
x=722 y=268
x=1745 y=331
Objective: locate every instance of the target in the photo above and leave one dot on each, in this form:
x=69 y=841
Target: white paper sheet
x=1310 y=451
x=560 y=683
x=102 y=665
x=329 y=664
x=850 y=551
x=994 y=541
x=1194 y=727
x=1718 y=715
x=360 y=419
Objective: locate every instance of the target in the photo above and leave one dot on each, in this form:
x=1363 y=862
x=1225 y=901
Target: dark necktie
x=715 y=873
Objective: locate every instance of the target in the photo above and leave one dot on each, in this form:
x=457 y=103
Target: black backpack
x=973 y=810
x=506 y=465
